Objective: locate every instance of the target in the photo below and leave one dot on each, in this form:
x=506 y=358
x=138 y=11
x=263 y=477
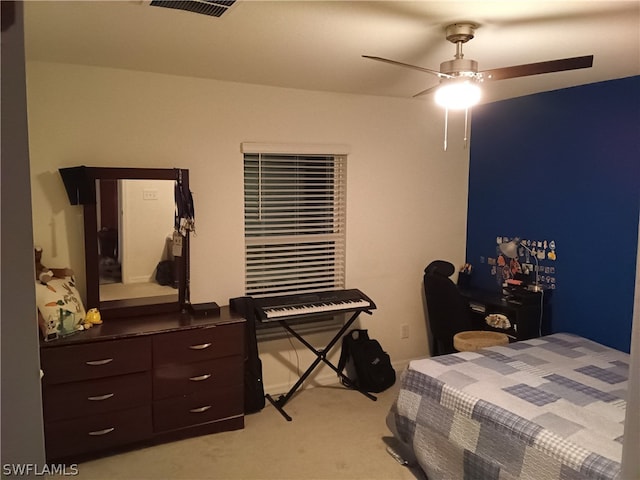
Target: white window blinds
x=294 y=220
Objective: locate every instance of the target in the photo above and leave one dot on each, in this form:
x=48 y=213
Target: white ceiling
x=317 y=45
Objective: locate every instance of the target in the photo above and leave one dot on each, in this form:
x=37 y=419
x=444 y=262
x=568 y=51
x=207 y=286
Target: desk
x=528 y=313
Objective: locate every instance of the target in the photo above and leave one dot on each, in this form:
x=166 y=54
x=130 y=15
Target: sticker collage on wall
x=517 y=260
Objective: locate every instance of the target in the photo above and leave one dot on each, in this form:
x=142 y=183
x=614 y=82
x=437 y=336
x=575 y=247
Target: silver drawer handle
x=101 y=397
x=200 y=378
x=202 y=346
x=200 y=410
x=102 y=432
x=99 y=362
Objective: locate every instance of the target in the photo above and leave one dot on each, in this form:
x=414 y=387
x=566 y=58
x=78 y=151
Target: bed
x=547 y=408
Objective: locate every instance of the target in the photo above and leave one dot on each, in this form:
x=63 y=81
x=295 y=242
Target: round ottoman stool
x=476 y=339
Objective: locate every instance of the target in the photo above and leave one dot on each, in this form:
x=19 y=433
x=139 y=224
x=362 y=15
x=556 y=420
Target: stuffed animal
x=44 y=274
x=92 y=318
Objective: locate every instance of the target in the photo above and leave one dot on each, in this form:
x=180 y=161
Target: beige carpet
x=335 y=434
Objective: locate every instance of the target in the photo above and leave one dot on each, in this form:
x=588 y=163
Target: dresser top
x=126 y=327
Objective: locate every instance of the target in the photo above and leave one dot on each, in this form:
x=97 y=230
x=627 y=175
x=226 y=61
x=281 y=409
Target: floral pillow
x=59 y=294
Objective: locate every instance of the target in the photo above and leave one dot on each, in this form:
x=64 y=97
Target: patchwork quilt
x=547 y=408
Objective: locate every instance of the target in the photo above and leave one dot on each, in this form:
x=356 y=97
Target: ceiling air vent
x=213 y=8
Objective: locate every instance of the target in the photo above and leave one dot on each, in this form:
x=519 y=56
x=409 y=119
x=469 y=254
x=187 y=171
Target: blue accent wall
x=564 y=166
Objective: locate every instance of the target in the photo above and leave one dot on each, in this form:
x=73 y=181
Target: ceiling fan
x=463 y=70
x=459 y=87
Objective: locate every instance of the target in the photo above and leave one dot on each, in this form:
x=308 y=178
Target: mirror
x=133 y=265
x=135 y=239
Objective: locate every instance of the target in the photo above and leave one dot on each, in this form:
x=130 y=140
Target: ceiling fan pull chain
x=466 y=127
x=446 y=125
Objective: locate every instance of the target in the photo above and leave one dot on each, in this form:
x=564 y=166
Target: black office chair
x=450 y=316
x=448 y=310
x=108 y=243
x=109 y=267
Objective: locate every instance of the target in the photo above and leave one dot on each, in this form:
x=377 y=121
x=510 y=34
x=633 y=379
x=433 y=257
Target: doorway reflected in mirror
x=135 y=225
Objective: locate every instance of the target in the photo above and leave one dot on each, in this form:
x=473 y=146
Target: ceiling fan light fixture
x=458 y=94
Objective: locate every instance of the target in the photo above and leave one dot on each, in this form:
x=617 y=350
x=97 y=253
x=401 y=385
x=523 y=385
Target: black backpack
x=371 y=365
x=165 y=273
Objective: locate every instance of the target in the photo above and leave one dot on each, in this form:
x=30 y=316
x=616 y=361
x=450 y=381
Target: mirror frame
x=80 y=184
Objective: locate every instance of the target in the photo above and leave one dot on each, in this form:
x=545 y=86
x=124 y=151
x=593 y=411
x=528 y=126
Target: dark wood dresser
x=144 y=379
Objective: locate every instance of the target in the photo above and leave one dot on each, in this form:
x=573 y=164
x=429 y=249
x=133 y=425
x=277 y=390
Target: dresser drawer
x=88 y=434
x=92 y=397
x=94 y=360
x=201 y=407
x=198 y=344
x=173 y=380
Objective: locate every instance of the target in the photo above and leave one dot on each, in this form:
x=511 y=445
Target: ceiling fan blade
x=550 y=66
x=400 y=64
x=427 y=91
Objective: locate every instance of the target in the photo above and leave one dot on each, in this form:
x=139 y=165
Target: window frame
x=294 y=220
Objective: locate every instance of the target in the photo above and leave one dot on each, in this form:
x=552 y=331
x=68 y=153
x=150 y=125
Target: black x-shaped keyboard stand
x=321 y=356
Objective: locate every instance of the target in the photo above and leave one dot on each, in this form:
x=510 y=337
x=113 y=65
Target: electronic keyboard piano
x=287 y=307
x=291 y=308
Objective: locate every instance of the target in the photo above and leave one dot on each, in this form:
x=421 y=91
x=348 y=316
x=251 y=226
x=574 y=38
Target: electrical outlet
x=404 y=330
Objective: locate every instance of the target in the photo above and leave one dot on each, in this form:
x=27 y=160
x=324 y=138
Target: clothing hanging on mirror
x=185 y=212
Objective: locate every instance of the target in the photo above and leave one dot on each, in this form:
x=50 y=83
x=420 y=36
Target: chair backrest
x=108 y=243
x=448 y=310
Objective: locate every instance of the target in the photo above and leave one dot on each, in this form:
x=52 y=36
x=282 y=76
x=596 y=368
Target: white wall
x=407 y=199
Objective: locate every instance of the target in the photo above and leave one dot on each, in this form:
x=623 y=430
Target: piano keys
x=310 y=304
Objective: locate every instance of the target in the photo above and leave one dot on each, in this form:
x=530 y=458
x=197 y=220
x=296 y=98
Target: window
x=294 y=217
